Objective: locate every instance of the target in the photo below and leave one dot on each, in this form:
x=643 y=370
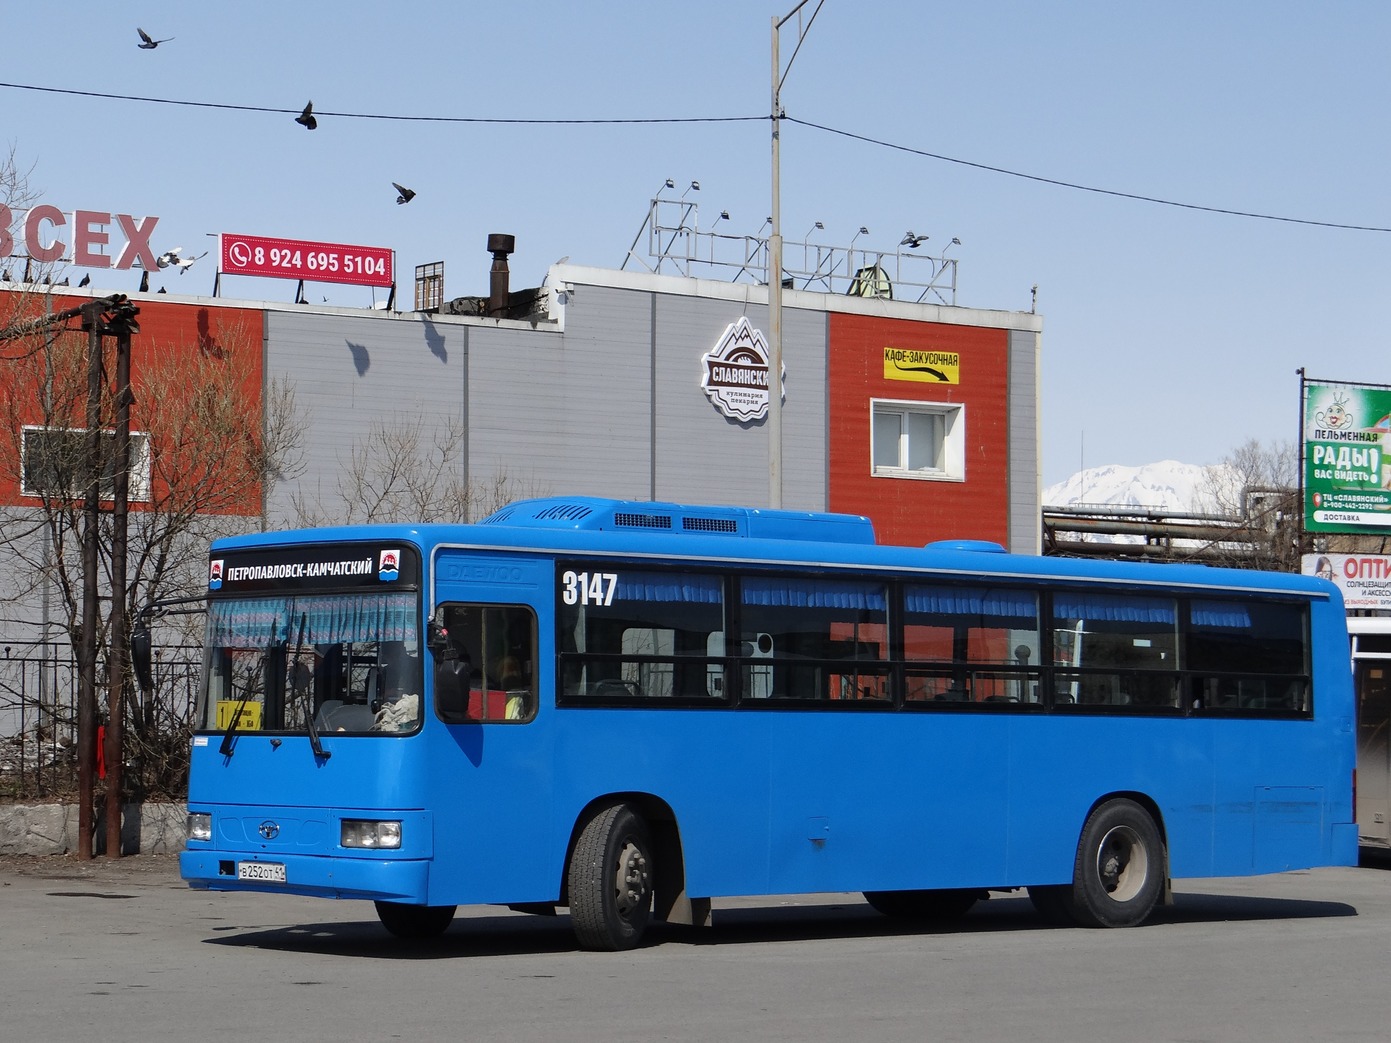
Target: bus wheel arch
x=628 y=844
x=1121 y=869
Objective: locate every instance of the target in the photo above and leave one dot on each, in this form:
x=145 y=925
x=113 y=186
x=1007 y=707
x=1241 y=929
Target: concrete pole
x=117 y=654
x=775 y=299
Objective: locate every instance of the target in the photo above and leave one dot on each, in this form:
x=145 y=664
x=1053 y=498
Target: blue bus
x=631 y=708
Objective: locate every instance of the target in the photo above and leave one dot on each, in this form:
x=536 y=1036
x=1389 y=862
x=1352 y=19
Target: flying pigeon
x=306 y=118
x=405 y=194
x=185 y=263
x=146 y=43
x=144 y=282
x=173 y=259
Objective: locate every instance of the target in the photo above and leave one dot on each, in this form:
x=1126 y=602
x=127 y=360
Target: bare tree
x=25 y=278
x=1257 y=486
x=207 y=441
x=408 y=471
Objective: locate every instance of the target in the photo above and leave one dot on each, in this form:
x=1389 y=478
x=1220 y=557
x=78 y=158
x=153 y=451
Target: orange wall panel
x=172 y=334
x=914 y=511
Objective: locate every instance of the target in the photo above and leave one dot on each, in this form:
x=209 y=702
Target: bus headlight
x=199 y=826
x=369 y=833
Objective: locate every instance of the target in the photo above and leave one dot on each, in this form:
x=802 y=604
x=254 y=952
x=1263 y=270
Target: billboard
x=1347 y=457
x=1364 y=579
x=277 y=258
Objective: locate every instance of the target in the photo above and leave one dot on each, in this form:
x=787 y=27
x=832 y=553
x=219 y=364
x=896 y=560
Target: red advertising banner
x=300 y=259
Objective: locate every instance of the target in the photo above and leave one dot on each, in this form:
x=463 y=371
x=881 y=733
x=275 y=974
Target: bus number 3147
x=588 y=588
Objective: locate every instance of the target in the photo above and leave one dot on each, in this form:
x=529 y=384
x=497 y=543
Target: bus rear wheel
x=415 y=921
x=944 y=904
x=1119 y=874
x=610 y=880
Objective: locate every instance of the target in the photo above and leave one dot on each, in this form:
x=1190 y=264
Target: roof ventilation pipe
x=499 y=245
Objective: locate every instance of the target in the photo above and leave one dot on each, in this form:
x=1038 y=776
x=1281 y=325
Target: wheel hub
x=1121 y=864
x=632 y=879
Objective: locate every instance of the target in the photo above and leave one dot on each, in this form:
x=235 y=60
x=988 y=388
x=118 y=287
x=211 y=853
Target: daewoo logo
x=269 y=830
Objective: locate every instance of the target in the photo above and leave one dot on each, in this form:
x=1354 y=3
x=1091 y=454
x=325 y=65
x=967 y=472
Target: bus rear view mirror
x=451 y=690
x=141 y=657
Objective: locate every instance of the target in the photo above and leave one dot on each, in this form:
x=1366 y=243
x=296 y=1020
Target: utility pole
x=87 y=643
x=775 y=260
x=120 y=322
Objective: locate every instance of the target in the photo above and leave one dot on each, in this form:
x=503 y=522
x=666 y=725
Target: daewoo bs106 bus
x=629 y=709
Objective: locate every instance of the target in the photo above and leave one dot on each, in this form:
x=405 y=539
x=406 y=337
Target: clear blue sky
x=1169 y=332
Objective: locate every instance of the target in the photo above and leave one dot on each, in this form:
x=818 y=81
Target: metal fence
x=38 y=723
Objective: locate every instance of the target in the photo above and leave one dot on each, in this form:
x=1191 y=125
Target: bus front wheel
x=414 y=921
x=1119 y=873
x=610 y=880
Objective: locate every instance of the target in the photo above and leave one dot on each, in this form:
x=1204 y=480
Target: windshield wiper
x=312 y=728
x=229 y=741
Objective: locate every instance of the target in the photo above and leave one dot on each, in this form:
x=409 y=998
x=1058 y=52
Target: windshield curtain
x=330 y=619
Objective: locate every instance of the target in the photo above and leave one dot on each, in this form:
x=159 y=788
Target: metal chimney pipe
x=499 y=245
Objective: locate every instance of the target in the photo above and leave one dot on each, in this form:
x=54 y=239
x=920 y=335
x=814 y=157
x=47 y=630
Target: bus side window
x=484 y=660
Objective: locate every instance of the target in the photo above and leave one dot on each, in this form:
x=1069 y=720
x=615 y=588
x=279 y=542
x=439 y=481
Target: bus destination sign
x=344 y=565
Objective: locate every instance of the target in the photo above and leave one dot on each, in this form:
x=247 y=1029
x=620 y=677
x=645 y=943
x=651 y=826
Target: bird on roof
x=404 y=195
x=86 y=281
x=148 y=44
x=306 y=118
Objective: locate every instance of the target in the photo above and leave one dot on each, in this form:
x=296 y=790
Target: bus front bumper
x=317 y=876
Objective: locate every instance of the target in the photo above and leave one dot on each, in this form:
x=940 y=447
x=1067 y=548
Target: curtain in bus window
x=647 y=586
x=813 y=593
x=1227 y=615
x=259 y=622
x=982 y=608
x=1114 y=608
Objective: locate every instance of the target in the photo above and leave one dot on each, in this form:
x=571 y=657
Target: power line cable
x=595 y=121
x=378 y=116
x=1083 y=188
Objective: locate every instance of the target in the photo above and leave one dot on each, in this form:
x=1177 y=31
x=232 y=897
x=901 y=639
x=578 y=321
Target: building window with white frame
x=917 y=440
x=55 y=462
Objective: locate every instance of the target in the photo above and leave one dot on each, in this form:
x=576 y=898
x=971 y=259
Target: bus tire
x=943 y=904
x=414 y=921
x=1119 y=874
x=610 y=880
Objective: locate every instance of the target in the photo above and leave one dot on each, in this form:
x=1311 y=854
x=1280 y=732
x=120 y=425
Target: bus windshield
x=345 y=662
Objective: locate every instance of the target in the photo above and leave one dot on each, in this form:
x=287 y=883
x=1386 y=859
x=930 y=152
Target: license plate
x=270 y=871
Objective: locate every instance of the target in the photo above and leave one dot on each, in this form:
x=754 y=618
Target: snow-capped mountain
x=1168 y=484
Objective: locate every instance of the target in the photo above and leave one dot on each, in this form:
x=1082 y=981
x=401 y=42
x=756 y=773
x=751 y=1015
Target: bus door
x=489 y=777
